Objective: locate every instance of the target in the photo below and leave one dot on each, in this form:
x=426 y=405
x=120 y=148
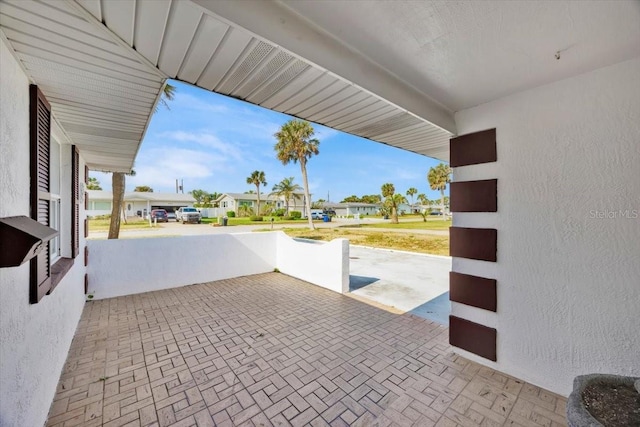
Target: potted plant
x=601 y=400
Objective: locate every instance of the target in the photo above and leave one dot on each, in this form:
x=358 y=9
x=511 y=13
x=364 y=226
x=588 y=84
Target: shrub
x=296 y=214
x=231 y=214
x=108 y=216
x=279 y=212
x=255 y=218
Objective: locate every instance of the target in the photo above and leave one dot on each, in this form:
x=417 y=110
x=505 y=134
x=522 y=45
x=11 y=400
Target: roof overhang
x=102 y=66
x=375 y=70
x=102 y=93
x=340 y=88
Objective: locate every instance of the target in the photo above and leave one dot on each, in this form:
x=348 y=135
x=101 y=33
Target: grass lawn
x=422 y=243
x=247 y=221
x=431 y=224
x=132 y=224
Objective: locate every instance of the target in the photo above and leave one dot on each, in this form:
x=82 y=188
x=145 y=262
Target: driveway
x=413 y=283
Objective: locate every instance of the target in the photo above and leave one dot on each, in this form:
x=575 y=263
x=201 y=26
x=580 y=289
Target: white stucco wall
x=34 y=339
x=152 y=264
x=323 y=264
x=145 y=265
x=568 y=280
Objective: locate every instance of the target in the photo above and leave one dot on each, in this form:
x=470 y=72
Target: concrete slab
x=409 y=282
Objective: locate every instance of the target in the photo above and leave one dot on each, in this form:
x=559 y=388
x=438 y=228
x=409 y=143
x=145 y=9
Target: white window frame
x=55 y=188
x=54 y=222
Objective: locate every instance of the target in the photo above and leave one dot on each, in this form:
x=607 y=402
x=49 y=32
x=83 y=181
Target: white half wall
x=323 y=264
x=568 y=222
x=131 y=266
x=34 y=338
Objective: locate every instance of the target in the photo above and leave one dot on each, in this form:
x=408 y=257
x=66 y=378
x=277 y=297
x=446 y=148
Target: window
x=54 y=244
x=48 y=268
x=54 y=204
x=104 y=206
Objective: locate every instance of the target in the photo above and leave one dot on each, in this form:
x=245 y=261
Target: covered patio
x=536 y=107
x=269 y=349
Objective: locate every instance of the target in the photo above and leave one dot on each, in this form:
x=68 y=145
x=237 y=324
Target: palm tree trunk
x=307 y=198
x=258 y=208
x=394 y=214
x=117 y=183
x=442 y=201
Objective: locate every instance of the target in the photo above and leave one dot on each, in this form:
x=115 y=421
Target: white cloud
x=205 y=139
x=184 y=102
x=322 y=133
x=161 y=167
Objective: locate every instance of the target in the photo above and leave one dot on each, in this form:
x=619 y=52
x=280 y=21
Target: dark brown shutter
x=40 y=136
x=86 y=182
x=75 y=202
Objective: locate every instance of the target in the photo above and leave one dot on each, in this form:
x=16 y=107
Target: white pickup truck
x=188 y=215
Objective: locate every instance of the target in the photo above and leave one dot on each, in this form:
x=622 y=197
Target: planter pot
x=579 y=404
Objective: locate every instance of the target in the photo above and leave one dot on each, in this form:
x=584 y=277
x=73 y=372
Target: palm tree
x=118 y=178
x=93 y=184
x=118 y=184
x=168 y=93
x=286 y=189
x=424 y=201
x=412 y=192
x=295 y=144
x=257 y=178
x=438 y=178
x=392 y=200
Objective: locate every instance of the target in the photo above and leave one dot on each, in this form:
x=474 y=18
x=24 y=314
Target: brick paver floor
x=270 y=350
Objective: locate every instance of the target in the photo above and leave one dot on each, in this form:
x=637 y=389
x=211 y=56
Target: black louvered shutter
x=75 y=202
x=40 y=134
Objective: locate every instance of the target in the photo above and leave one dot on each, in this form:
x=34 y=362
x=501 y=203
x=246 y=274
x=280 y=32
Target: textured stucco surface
x=323 y=264
x=568 y=225
x=34 y=339
x=152 y=264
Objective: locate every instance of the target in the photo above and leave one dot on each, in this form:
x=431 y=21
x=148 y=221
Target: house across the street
x=355 y=208
x=235 y=201
x=136 y=203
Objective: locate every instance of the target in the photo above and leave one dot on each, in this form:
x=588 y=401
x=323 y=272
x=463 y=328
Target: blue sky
x=213 y=143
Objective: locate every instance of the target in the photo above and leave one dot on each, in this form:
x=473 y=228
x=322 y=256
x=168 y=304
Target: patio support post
x=473 y=243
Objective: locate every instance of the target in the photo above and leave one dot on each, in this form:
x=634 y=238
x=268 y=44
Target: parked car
x=316 y=215
x=159 y=215
x=171 y=216
x=188 y=215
